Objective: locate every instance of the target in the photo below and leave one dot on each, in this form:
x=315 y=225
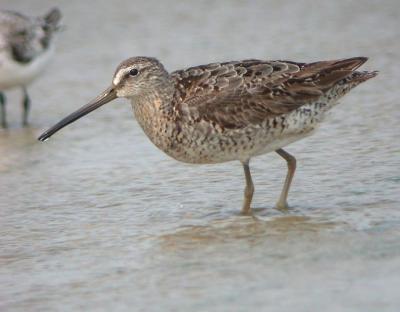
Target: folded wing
x=236 y=94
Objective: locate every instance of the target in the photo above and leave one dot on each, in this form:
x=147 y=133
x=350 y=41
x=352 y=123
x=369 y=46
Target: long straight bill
x=107 y=96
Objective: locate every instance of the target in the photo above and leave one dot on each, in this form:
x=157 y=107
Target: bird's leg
x=3 y=110
x=291 y=163
x=26 y=106
x=249 y=190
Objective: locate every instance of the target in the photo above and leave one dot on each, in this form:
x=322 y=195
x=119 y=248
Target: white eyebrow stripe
x=120 y=74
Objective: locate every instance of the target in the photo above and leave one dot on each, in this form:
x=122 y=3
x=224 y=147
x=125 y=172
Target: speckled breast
x=202 y=143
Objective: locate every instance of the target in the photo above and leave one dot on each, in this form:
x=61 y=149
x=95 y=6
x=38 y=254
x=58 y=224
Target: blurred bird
x=26 y=44
x=229 y=111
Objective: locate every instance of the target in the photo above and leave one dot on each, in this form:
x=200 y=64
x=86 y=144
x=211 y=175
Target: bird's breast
x=202 y=142
x=14 y=74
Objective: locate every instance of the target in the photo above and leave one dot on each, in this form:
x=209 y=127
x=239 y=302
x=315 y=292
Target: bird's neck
x=154 y=109
x=156 y=100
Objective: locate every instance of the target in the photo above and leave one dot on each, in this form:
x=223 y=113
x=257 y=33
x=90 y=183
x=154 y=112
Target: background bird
x=26 y=45
x=229 y=111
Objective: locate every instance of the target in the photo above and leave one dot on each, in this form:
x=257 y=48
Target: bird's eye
x=133 y=72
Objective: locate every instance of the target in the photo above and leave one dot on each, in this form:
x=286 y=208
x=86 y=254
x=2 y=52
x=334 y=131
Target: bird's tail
x=340 y=76
x=348 y=67
x=52 y=20
x=50 y=23
x=358 y=77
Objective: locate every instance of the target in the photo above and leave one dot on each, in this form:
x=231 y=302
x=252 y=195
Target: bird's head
x=138 y=76
x=134 y=78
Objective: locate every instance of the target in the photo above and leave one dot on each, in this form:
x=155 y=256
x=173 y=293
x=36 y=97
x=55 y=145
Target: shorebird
x=26 y=44
x=229 y=111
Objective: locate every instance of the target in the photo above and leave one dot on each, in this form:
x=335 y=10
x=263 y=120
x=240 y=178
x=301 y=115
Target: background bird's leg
x=249 y=190
x=3 y=110
x=291 y=163
x=26 y=103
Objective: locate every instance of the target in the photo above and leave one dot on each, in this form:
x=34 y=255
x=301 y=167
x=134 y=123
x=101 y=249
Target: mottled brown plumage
x=229 y=111
x=236 y=94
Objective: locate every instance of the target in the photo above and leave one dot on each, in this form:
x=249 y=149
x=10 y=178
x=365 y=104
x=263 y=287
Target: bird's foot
x=282 y=205
x=246 y=210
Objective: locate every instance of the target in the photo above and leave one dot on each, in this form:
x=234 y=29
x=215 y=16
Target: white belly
x=14 y=74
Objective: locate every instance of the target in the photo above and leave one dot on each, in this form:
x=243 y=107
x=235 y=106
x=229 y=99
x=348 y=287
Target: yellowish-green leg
x=249 y=190
x=291 y=163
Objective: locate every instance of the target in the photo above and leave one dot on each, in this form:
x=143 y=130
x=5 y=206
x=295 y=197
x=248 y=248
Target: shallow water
x=98 y=219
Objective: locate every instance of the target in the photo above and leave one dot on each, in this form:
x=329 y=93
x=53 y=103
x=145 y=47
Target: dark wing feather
x=236 y=94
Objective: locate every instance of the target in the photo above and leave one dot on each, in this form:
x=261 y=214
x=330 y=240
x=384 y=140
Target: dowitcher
x=26 y=44
x=229 y=111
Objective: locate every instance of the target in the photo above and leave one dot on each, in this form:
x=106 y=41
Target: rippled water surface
x=98 y=219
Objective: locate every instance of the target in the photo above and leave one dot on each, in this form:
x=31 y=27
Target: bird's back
x=236 y=94
x=236 y=110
